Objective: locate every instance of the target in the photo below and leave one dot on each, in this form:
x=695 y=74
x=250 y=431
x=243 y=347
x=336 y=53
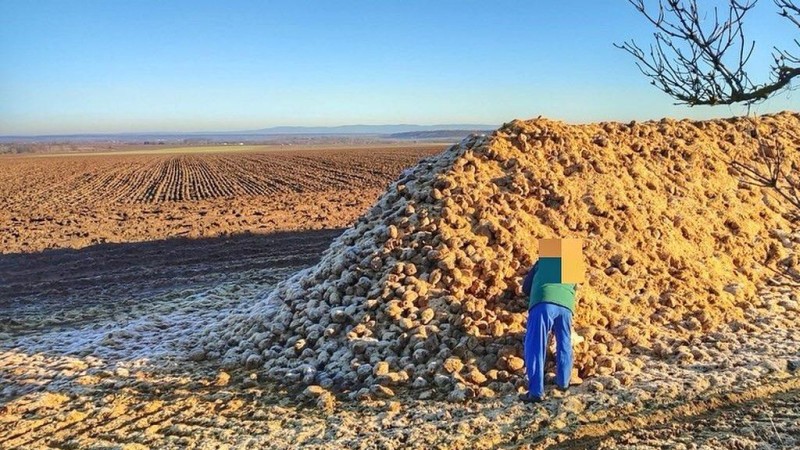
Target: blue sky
x=138 y=65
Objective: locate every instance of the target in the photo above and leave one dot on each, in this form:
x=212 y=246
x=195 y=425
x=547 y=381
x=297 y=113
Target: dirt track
x=766 y=417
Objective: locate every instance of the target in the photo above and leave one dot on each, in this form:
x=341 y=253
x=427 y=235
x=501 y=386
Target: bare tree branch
x=703 y=62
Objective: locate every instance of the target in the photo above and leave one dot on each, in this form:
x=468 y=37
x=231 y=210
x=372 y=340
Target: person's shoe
x=529 y=398
x=562 y=388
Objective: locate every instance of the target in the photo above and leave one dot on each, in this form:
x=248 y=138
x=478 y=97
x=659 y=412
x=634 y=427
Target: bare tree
x=700 y=57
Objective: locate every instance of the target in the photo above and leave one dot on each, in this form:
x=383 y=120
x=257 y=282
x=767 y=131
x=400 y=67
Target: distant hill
x=436 y=134
x=372 y=129
x=378 y=131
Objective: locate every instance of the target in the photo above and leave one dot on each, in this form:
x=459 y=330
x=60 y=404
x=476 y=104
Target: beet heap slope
x=424 y=290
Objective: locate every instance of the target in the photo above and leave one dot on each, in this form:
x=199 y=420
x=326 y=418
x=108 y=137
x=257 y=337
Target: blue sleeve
x=526 y=284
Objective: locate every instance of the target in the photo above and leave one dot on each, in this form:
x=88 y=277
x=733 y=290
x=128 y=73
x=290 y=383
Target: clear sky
x=139 y=65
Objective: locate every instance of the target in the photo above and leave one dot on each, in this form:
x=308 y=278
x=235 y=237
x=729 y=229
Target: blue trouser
x=543 y=318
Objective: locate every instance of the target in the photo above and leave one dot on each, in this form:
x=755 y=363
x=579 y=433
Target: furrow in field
x=220 y=179
x=188 y=176
x=205 y=181
x=65 y=182
x=129 y=182
x=159 y=181
x=166 y=181
x=240 y=177
x=192 y=174
x=177 y=179
x=282 y=173
x=255 y=177
x=95 y=188
x=117 y=183
x=343 y=177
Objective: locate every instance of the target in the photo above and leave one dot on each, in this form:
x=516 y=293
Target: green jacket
x=539 y=290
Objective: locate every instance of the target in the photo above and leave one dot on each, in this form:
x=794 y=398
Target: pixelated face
x=561 y=260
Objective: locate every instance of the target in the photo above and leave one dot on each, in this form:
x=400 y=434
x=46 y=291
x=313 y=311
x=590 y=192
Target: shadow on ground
x=33 y=284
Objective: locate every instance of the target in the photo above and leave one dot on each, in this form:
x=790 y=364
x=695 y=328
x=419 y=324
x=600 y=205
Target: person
x=550 y=308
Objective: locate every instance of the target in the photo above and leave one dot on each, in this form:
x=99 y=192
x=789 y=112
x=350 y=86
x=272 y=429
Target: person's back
x=543 y=286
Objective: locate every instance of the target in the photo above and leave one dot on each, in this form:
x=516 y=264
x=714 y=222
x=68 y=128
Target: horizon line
x=256 y=131
x=462 y=126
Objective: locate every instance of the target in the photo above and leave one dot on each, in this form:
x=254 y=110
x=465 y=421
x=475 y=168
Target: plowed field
x=78 y=200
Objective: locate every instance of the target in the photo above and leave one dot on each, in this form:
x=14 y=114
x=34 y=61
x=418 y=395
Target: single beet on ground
x=423 y=291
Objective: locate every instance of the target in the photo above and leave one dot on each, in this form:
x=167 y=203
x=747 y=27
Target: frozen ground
x=100 y=366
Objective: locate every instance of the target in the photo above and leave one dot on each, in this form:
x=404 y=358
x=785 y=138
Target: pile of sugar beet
x=423 y=292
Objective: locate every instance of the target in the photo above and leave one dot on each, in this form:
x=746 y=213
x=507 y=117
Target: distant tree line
x=17 y=148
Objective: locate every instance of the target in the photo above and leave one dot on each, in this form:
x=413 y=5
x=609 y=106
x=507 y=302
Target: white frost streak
x=163 y=332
